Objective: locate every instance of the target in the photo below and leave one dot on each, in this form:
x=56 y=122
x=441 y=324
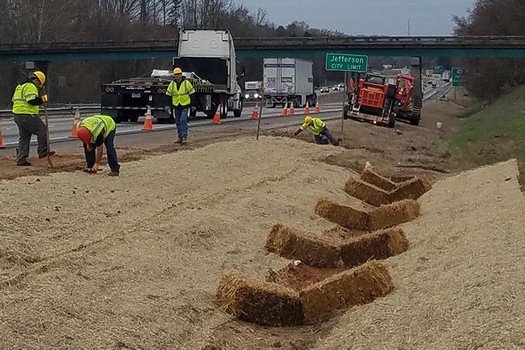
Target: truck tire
x=193 y=114
x=415 y=121
x=171 y=119
x=237 y=112
x=391 y=121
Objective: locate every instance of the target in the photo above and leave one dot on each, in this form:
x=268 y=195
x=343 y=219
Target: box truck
x=288 y=80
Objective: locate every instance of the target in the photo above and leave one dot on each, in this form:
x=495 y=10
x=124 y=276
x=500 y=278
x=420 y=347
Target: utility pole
x=409 y=27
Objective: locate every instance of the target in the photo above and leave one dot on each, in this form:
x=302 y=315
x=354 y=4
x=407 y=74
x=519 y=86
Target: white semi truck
x=288 y=80
x=208 y=60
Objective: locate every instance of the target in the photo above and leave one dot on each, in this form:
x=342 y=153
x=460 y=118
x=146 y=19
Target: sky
x=367 y=17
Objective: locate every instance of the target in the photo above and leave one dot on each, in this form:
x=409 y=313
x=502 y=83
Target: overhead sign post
x=346 y=63
x=458 y=78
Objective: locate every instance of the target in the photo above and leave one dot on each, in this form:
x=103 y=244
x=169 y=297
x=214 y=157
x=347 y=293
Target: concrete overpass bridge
x=247 y=47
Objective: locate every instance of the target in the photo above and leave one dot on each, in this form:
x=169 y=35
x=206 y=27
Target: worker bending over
x=319 y=129
x=93 y=132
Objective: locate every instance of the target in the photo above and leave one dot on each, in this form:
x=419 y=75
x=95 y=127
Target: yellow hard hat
x=40 y=76
x=177 y=71
x=308 y=120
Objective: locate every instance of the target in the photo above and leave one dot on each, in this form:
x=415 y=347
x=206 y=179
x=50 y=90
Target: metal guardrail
x=61 y=110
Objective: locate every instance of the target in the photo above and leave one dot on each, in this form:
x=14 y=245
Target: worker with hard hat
x=321 y=133
x=27 y=100
x=181 y=92
x=93 y=132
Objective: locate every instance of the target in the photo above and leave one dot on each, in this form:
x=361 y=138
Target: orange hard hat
x=84 y=134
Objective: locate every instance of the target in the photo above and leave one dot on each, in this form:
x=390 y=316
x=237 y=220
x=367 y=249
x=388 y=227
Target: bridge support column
x=415 y=68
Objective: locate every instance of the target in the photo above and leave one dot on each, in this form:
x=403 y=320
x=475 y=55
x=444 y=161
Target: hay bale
x=341 y=214
x=411 y=189
x=393 y=214
x=356 y=286
x=378 y=180
x=259 y=302
x=296 y=244
x=373 y=246
x=366 y=192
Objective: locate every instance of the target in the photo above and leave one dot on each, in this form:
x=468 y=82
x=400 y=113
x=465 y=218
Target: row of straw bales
x=323 y=253
x=271 y=304
x=378 y=190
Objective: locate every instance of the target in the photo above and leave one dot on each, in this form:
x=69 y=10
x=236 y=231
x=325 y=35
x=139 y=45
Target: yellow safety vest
x=23 y=93
x=96 y=124
x=180 y=96
x=316 y=126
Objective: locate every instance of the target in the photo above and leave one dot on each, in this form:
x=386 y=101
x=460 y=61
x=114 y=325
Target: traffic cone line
x=292 y=110
x=255 y=113
x=2 y=146
x=148 y=122
x=217 y=117
x=317 y=107
x=74 y=129
x=284 y=113
x=307 y=108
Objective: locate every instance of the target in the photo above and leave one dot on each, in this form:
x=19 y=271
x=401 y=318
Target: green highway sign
x=346 y=63
x=437 y=69
x=458 y=77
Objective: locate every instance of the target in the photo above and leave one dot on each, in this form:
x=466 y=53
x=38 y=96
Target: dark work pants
x=329 y=137
x=109 y=142
x=28 y=125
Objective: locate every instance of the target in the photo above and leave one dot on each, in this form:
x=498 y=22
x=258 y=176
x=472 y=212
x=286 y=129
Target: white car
x=324 y=89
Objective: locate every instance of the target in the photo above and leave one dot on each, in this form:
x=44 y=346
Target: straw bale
x=356 y=286
x=393 y=214
x=259 y=302
x=366 y=192
x=378 y=180
x=411 y=189
x=296 y=244
x=376 y=245
x=341 y=214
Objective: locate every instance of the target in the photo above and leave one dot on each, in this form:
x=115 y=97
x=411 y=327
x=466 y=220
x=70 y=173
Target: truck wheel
x=134 y=119
x=171 y=119
x=415 y=121
x=193 y=114
x=237 y=112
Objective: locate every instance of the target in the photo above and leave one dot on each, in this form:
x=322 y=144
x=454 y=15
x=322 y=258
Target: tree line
x=489 y=78
x=26 y=21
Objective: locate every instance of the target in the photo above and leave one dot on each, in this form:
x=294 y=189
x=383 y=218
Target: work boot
x=41 y=156
x=23 y=163
x=89 y=170
x=183 y=142
x=113 y=173
x=179 y=140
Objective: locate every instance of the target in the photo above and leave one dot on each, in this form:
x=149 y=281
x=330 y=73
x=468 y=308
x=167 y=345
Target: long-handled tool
x=47 y=131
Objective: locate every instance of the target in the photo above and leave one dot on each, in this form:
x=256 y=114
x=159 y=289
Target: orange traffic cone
x=74 y=130
x=317 y=108
x=217 y=116
x=255 y=113
x=2 y=146
x=148 y=122
x=292 y=110
x=307 y=108
x=284 y=113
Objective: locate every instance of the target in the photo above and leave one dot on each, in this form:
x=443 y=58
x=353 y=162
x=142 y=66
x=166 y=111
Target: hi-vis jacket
x=96 y=124
x=180 y=96
x=316 y=126
x=23 y=93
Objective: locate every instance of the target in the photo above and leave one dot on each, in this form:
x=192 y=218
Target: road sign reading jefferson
x=344 y=62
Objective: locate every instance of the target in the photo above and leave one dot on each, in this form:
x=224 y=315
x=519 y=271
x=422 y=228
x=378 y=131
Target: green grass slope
x=494 y=133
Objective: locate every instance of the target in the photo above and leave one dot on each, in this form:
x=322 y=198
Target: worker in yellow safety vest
x=319 y=129
x=93 y=132
x=181 y=92
x=27 y=100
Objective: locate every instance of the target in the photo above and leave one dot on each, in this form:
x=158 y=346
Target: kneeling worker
x=319 y=129
x=93 y=132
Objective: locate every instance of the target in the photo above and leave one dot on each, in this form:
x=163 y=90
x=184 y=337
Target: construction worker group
x=99 y=130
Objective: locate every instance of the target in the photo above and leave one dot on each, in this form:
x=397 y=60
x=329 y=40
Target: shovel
x=47 y=130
